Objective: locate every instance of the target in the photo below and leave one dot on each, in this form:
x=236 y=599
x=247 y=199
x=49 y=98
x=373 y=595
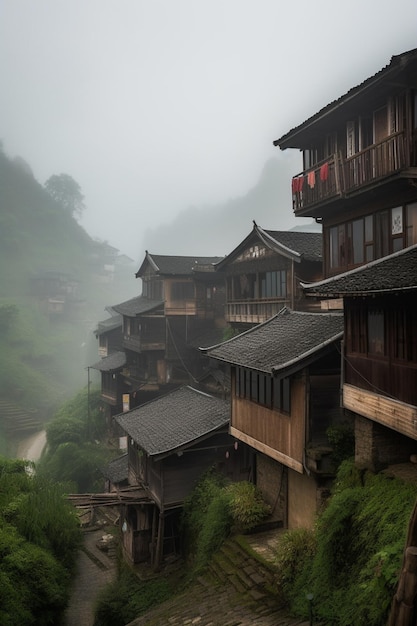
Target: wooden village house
x=172 y=441
x=380 y=355
x=182 y=298
x=359 y=176
x=263 y=274
x=359 y=179
x=285 y=381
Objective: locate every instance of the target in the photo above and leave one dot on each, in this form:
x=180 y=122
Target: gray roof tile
x=176 y=265
x=297 y=245
x=117 y=470
x=136 y=306
x=110 y=363
x=393 y=273
x=175 y=420
x=399 y=64
x=284 y=340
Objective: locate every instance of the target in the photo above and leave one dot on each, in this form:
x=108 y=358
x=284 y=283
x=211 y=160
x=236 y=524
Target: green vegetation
x=39 y=536
x=75 y=451
x=128 y=597
x=43 y=358
x=352 y=561
x=213 y=511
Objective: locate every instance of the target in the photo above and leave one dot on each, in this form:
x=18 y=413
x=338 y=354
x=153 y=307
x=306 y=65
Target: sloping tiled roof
x=175 y=420
x=110 y=363
x=307 y=245
x=283 y=341
x=176 y=265
x=136 y=306
x=297 y=245
x=397 y=65
x=109 y=324
x=117 y=470
x=393 y=273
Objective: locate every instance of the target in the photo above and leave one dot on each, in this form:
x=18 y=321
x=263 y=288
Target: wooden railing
x=140 y=343
x=254 y=311
x=337 y=176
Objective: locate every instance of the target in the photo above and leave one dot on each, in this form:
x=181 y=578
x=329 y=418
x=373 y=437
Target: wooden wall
x=278 y=435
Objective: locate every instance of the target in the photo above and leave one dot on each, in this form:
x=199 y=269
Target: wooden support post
x=402 y=610
x=159 y=541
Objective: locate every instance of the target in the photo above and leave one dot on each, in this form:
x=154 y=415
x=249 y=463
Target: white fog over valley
x=164 y=112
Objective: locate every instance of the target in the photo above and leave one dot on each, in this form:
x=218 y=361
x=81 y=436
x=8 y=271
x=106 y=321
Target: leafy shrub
x=246 y=505
x=294 y=552
x=213 y=510
x=128 y=597
x=39 y=535
x=342 y=439
x=360 y=539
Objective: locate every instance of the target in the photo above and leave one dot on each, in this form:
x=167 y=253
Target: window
x=411 y=224
x=405 y=340
x=337 y=247
x=274 y=284
x=282 y=396
x=254 y=386
x=182 y=291
x=376 y=332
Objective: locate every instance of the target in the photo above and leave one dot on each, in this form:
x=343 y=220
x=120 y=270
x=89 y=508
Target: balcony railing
x=337 y=177
x=140 y=343
x=254 y=311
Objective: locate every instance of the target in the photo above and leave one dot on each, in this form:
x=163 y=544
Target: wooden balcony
x=338 y=177
x=254 y=311
x=139 y=343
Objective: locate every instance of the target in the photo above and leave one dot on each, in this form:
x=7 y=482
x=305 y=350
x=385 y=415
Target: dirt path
x=94 y=571
x=30 y=448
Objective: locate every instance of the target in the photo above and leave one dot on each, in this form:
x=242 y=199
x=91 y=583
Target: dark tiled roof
x=307 y=245
x=397 y=64
x=136 y=306
x=296 y=245
x=176 y=265
x=284 y=340
x=397 y=272
x=109 y=324
x=110 y=363
x=117 y=470
x=175 y=420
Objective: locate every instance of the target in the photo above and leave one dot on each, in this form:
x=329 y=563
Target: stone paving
x=95 y=569
x=229 y=596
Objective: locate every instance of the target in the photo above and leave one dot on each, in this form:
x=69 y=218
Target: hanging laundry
x=297 y=184
x=311 y=179
x=324 y=171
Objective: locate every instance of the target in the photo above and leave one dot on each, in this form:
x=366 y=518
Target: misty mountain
x=217 y=230
x=55 y=281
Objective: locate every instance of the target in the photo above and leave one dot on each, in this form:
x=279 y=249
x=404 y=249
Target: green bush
x=213 y=510
x=360 y=539
x=246 y=505
x=128 y=597
x=294 y=552
x=39 y=536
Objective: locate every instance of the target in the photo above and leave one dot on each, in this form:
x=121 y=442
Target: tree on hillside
x=67 y=192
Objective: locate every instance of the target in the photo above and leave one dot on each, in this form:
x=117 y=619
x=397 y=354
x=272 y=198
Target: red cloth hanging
x=324 y=171
x=297 y=184
x=311 y=179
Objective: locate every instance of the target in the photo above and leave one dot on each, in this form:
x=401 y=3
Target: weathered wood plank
x=397 y=415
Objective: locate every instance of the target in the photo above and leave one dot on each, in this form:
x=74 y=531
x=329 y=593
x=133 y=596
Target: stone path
x=94 y=571
x=223 y=598
x=227 y=595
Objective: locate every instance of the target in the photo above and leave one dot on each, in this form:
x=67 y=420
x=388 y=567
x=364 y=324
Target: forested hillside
x=42 y=356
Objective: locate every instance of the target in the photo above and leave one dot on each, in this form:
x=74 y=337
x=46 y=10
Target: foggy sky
x=155 y=106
